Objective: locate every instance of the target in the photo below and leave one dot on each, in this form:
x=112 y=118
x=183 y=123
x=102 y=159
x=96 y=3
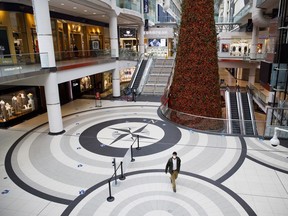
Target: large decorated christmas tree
x=195 y=87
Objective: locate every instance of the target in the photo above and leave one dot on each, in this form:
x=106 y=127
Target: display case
x=16 y=104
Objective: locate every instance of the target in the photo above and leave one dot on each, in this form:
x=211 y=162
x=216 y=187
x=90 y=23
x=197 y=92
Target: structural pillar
x=252 y=73
x=53 y=105
x=113 y=27
x=141 y=39
x=254 y=42
x=116 y=82
x=225 y=11
x=113 y=30
x=45 y=41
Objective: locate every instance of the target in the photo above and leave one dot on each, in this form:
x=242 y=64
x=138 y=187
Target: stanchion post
x=122 y=177
x=138 y=145
x=132 y=159
x=110 y=198
x=115 y=171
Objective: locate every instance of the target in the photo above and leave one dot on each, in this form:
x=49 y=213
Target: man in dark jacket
x=173 y=166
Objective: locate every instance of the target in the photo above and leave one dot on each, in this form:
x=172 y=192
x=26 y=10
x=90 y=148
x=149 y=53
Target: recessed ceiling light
x=85 y=10
x=94 y=13
x=62 y=4
x=103 y=15
x=74 y=8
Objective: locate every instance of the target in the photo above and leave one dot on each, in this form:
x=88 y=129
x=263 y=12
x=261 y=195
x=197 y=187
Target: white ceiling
x=88 y=9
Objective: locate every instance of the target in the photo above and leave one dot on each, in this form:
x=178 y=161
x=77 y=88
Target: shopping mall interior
x=85 y=125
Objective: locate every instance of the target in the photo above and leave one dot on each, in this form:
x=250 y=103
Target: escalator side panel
x=234 y=113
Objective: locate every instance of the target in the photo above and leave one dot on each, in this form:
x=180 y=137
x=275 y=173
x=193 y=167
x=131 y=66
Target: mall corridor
x=68 y=174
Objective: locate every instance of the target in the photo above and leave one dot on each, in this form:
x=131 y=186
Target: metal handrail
x=240 y=110
x=250 y=101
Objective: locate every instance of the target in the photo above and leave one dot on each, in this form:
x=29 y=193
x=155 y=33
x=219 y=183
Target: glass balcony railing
x=242 y=13
x=128 y=54
x=134 y=5
x=21 y=63
x=242 y=56
x=30 y=62
x=81 y=54
x=207 y=124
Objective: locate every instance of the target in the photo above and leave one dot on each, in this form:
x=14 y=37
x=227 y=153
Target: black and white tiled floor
x=68 y=174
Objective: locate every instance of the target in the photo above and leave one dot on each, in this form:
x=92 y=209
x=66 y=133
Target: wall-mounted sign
x=159 y=33
x=146 y=6
x=127 y=33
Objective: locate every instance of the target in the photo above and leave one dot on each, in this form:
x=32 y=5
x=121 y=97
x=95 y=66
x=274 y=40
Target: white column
x=113 y=29
x=53 y=104
x=44 y=33
x=45 y=41
x=225 y=11
x=252 y=73
x=254 y=42
x=141 y=39
x=116 y=83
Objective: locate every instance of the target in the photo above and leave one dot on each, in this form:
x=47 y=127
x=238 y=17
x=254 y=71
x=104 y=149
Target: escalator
x=240 y=112
x=234 y=114
x=248 y=125
x=139 y=75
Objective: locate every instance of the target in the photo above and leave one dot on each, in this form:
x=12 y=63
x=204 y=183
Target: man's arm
x=167 y=165
x=179 y=164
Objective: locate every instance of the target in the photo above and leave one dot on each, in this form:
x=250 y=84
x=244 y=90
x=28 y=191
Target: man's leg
x=173 y=178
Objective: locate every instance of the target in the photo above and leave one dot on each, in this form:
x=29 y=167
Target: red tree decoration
x=195 y=88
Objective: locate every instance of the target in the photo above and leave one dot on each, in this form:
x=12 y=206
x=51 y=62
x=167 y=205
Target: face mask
x=174 y=157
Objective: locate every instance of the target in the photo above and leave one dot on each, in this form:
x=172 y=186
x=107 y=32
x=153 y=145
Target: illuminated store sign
x=159 y=33
x=127 y=33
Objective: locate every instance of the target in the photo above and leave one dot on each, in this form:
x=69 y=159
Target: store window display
x=16 y=104
x=85 y=84
x=126 y=74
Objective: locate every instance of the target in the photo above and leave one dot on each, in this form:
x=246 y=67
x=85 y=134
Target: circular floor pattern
x=114 y=137
x=58 y=168
x=150 y=194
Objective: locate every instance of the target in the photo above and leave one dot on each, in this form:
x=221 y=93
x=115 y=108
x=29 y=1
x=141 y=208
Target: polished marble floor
x=68 y=174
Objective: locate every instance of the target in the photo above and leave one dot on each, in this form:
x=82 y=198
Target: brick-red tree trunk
x=195 y=87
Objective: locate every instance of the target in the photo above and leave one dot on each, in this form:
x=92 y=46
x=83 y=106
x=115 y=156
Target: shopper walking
x=173 y=166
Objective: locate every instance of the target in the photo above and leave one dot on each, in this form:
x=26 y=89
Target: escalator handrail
x=240 y=111
x=251 y=109
x=134 y=76
x=146 y=72
x=228 y=111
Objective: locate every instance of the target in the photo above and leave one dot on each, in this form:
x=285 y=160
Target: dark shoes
x=174 y=189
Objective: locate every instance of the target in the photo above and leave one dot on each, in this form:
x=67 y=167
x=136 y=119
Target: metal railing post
x=122 y=177
x=138 y=147
x=132 y=159
x=110 y=198
x=115 y=171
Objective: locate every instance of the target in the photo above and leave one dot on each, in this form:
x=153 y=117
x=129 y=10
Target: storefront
x=231 y=45
x=18 y=33
x=128 y=38
x=18 y=104
x=159 y=41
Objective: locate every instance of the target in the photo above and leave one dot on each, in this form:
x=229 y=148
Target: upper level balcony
x=266 y=4
x=21 y=66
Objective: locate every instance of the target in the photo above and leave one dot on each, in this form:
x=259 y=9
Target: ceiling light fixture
x=74 y=8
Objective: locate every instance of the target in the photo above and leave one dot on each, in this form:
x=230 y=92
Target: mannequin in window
x=15 y=104
x=31 y=103
x=3 y=110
